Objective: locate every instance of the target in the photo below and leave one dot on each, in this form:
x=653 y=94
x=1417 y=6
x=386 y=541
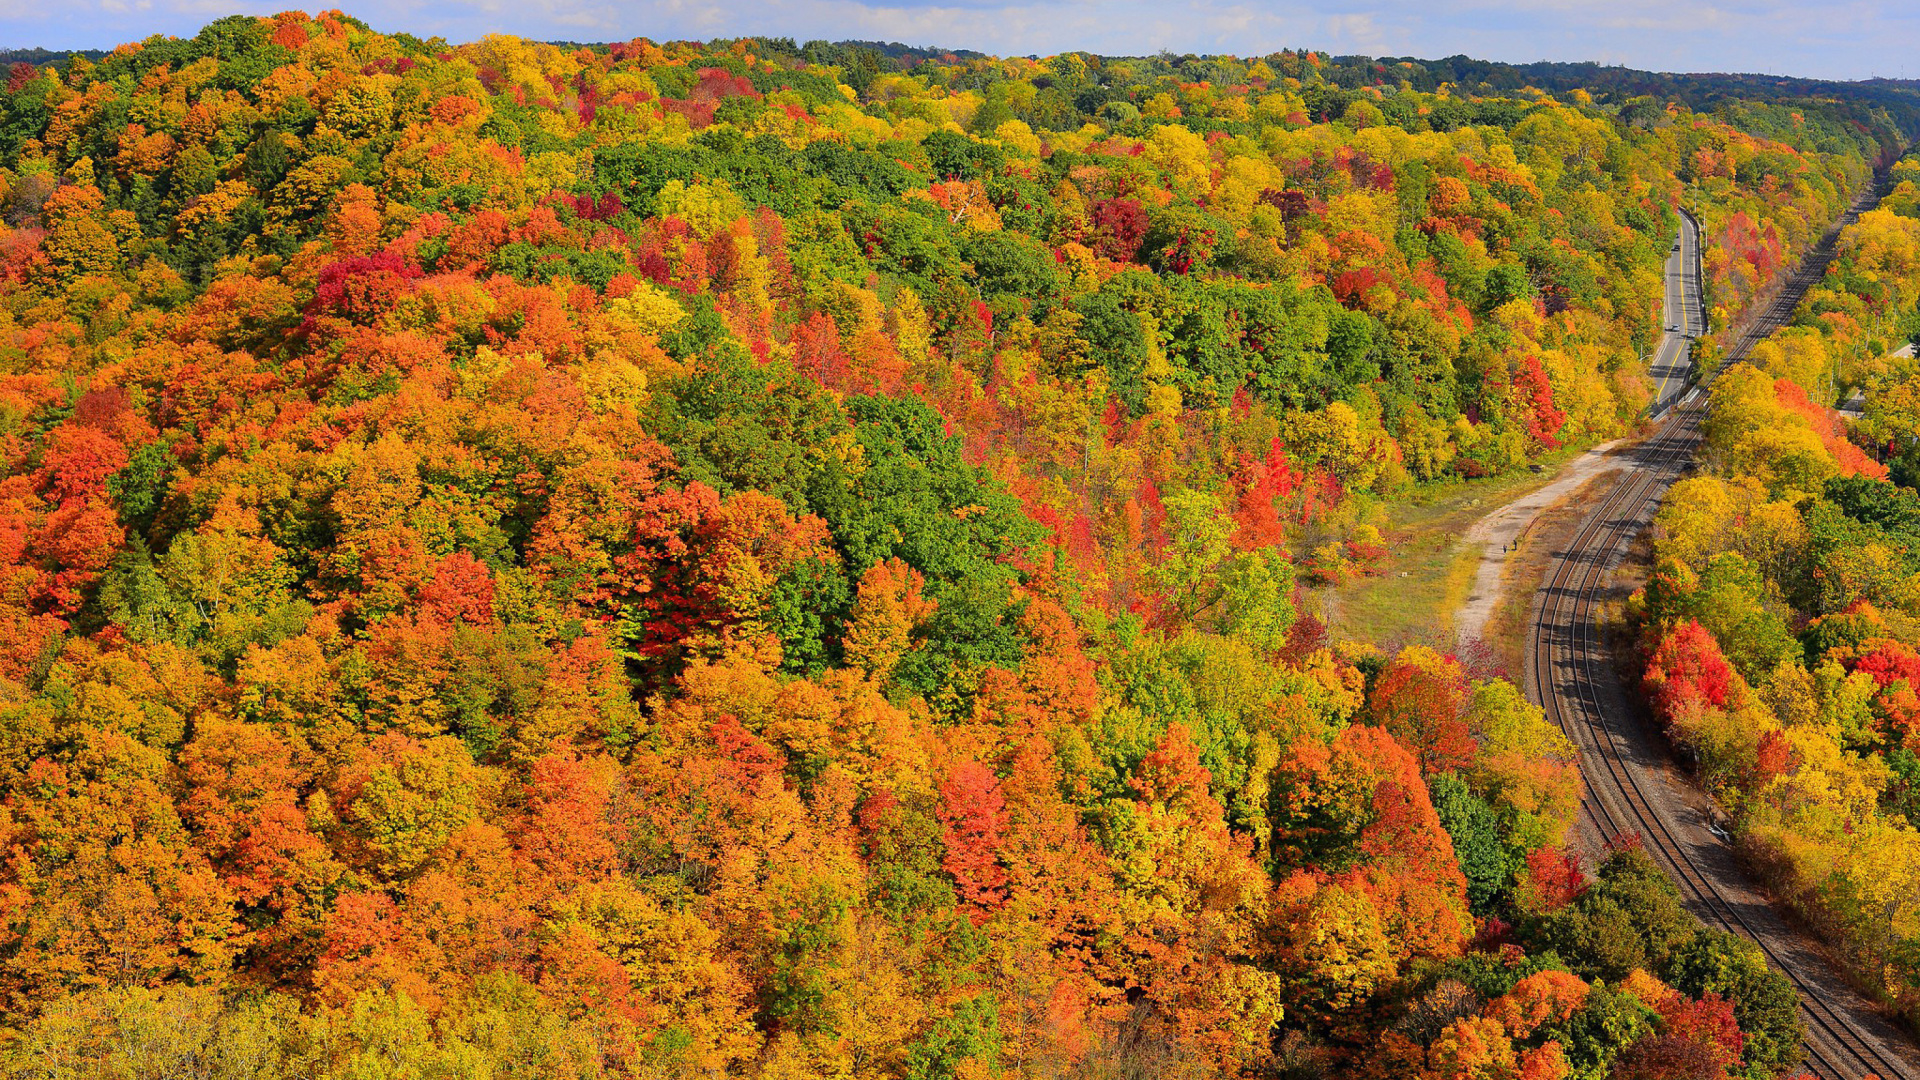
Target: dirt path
x=1498 y=534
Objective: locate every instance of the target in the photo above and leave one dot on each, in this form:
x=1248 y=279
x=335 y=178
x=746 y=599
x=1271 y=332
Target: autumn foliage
x=1778 y=623
x=679 y=560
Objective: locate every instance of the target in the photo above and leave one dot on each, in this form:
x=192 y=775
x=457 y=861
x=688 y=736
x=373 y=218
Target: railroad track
x=1630 y=787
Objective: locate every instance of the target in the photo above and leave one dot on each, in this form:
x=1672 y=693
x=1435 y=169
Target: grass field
x=1428 y=572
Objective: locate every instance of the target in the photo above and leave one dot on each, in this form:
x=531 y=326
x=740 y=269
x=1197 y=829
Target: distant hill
x=41 y=57
x=1604 y=81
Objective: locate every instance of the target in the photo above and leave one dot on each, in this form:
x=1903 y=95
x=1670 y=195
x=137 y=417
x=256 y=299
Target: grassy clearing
x=1428 y=573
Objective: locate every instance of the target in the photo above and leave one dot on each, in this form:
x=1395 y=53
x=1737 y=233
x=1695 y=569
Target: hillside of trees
x=1781 y=620
x=757 y=560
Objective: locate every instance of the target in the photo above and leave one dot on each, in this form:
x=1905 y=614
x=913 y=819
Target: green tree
x=1206 y=584
x=1476 y=839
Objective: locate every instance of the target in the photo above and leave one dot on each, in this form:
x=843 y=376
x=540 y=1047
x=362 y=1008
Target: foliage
x=770 y=559
x=1780 y=616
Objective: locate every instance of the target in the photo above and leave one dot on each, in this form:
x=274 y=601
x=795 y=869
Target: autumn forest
x=766 y=560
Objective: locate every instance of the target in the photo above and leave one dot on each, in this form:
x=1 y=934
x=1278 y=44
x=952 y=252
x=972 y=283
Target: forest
x=1779 y=622
x=749 y=559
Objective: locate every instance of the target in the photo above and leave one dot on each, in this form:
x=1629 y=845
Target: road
x=1633 y=785
x=1684 y=319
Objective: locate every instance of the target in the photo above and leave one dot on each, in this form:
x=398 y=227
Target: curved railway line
x=1632 y=787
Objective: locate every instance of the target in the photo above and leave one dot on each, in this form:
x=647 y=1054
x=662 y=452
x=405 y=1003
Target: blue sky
x=1838 y=39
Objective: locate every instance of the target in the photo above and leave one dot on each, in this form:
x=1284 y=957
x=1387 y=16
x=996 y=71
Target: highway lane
x=1683 y=320
x=1633 y=786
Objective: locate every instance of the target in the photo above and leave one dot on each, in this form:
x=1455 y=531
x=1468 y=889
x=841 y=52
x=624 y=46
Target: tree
x=1204 y=583
x=1331 y=945
x=182 y=1030
x=412 y=798
x=885 y=615
x=106 y=906
x=1607 y=1023
x=968 y=1036
x=1119 y=226
x=1689 y=665
x=1540 y=999
x=1730 y=601
x=1476 y=839
x=973 y=810
x=1628 y=918
x=1720 y=966
x=1525 y=768
x=1419 y=700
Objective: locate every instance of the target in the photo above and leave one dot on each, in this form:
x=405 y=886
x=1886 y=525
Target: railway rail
x=1628 y=791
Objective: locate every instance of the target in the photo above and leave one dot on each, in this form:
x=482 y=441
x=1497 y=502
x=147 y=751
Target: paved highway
x=1683 y=321
x=1633 y=786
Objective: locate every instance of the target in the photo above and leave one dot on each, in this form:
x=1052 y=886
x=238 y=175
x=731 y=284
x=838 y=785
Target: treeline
x=695 y=560
x=43 y=57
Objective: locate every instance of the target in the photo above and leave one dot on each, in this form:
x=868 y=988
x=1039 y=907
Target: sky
x=1836 y=39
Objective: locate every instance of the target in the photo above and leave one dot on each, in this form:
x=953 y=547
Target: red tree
x=973 y=813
